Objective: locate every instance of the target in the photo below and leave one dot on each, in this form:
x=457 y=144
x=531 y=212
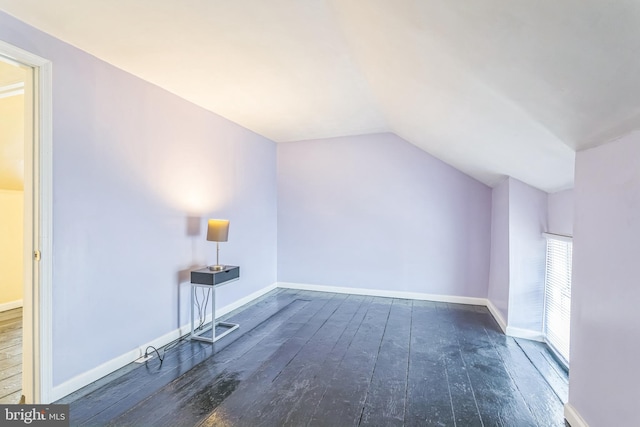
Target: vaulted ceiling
x=492 y=87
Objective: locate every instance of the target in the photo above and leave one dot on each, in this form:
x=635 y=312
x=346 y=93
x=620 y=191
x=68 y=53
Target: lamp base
x=216 y=267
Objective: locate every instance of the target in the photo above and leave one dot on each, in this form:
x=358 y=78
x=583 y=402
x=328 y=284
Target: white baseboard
x=385 y=293
x=114 y=364
x=497 y=315
x=402 y=294
x=527 y=334
x=6 y=306
x=118 y=362
x=573 y=417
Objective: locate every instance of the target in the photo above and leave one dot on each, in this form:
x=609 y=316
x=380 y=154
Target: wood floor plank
x=10 y=351
x=113 y=398
x=191 y=353
x=125 y=391
x=10 y=362
x=321 y=359
x=428 y=395
x=11 y=399
x=345 y=395
x=386 y=398
x=273 y=405
x=86 y=393
x=499 y=400
x=10 y=355
x=11 y=338
x=193 y=396
x=11 y=384
x=539 y=397
x=234 y=408
x=9 y=372
x=11 y=325
x=465 y=406
x=14 y=314
x=555 y=375
x=298 y=410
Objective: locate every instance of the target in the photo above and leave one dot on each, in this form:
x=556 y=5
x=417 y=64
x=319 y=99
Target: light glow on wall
x=188 y=191
x=190 y=183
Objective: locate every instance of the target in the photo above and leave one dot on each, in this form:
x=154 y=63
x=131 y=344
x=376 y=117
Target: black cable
x=202 y=310
x=146 y=353
x=166 y=348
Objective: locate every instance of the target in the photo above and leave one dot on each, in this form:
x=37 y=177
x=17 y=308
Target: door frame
x=37 y=360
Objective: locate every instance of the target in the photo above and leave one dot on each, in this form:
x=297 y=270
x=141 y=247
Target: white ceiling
x=492 y=87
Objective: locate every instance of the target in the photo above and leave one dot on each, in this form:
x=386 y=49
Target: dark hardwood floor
x=321 y=359
x=10 y=356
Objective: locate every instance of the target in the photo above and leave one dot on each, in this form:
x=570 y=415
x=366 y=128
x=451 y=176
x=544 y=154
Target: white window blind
x=557 y=304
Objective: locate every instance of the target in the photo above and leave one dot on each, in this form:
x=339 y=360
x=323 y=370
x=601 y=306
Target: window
x=557 y=301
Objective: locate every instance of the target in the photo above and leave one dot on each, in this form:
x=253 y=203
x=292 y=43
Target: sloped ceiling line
x=493 y=88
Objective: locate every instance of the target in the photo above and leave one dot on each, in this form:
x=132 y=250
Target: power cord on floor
x=202 y=316
x=164 y=349
x=202 y=307
x=146 y=353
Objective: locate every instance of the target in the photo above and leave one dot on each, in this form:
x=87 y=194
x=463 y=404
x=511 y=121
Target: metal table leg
x=197 y=335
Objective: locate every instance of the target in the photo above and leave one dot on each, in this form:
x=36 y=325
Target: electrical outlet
x=144 y=359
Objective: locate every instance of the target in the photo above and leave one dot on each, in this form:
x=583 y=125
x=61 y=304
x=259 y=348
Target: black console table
x=209 y=279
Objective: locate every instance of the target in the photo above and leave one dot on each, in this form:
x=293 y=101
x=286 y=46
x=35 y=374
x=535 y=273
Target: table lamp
x=217 y=231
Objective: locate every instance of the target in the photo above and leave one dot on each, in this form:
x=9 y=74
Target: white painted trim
x=527 y=334
x=12 y=90
x=45 y=242
x=403 y=294
x=12 y=86
x=118 y=362
x=573 y=417
x=497 y=315
x=10 y=94
x=561 y=237
x=11 y=305
x=37 y=385
x=385 y=293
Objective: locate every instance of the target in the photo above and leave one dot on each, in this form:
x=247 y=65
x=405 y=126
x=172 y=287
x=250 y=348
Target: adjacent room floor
x=322 y=359
x=10 y=356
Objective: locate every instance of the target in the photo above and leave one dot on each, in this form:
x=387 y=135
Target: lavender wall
x=498 y=292
x=560 y=212
x=605 y=292
x=131 y=164
x=376 y=212
x=527 y=222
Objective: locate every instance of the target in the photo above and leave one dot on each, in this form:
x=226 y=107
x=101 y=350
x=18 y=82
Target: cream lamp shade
x=218 y=230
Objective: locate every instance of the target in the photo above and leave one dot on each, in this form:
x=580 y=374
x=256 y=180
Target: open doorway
x=36 y=336
x=13 y=119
